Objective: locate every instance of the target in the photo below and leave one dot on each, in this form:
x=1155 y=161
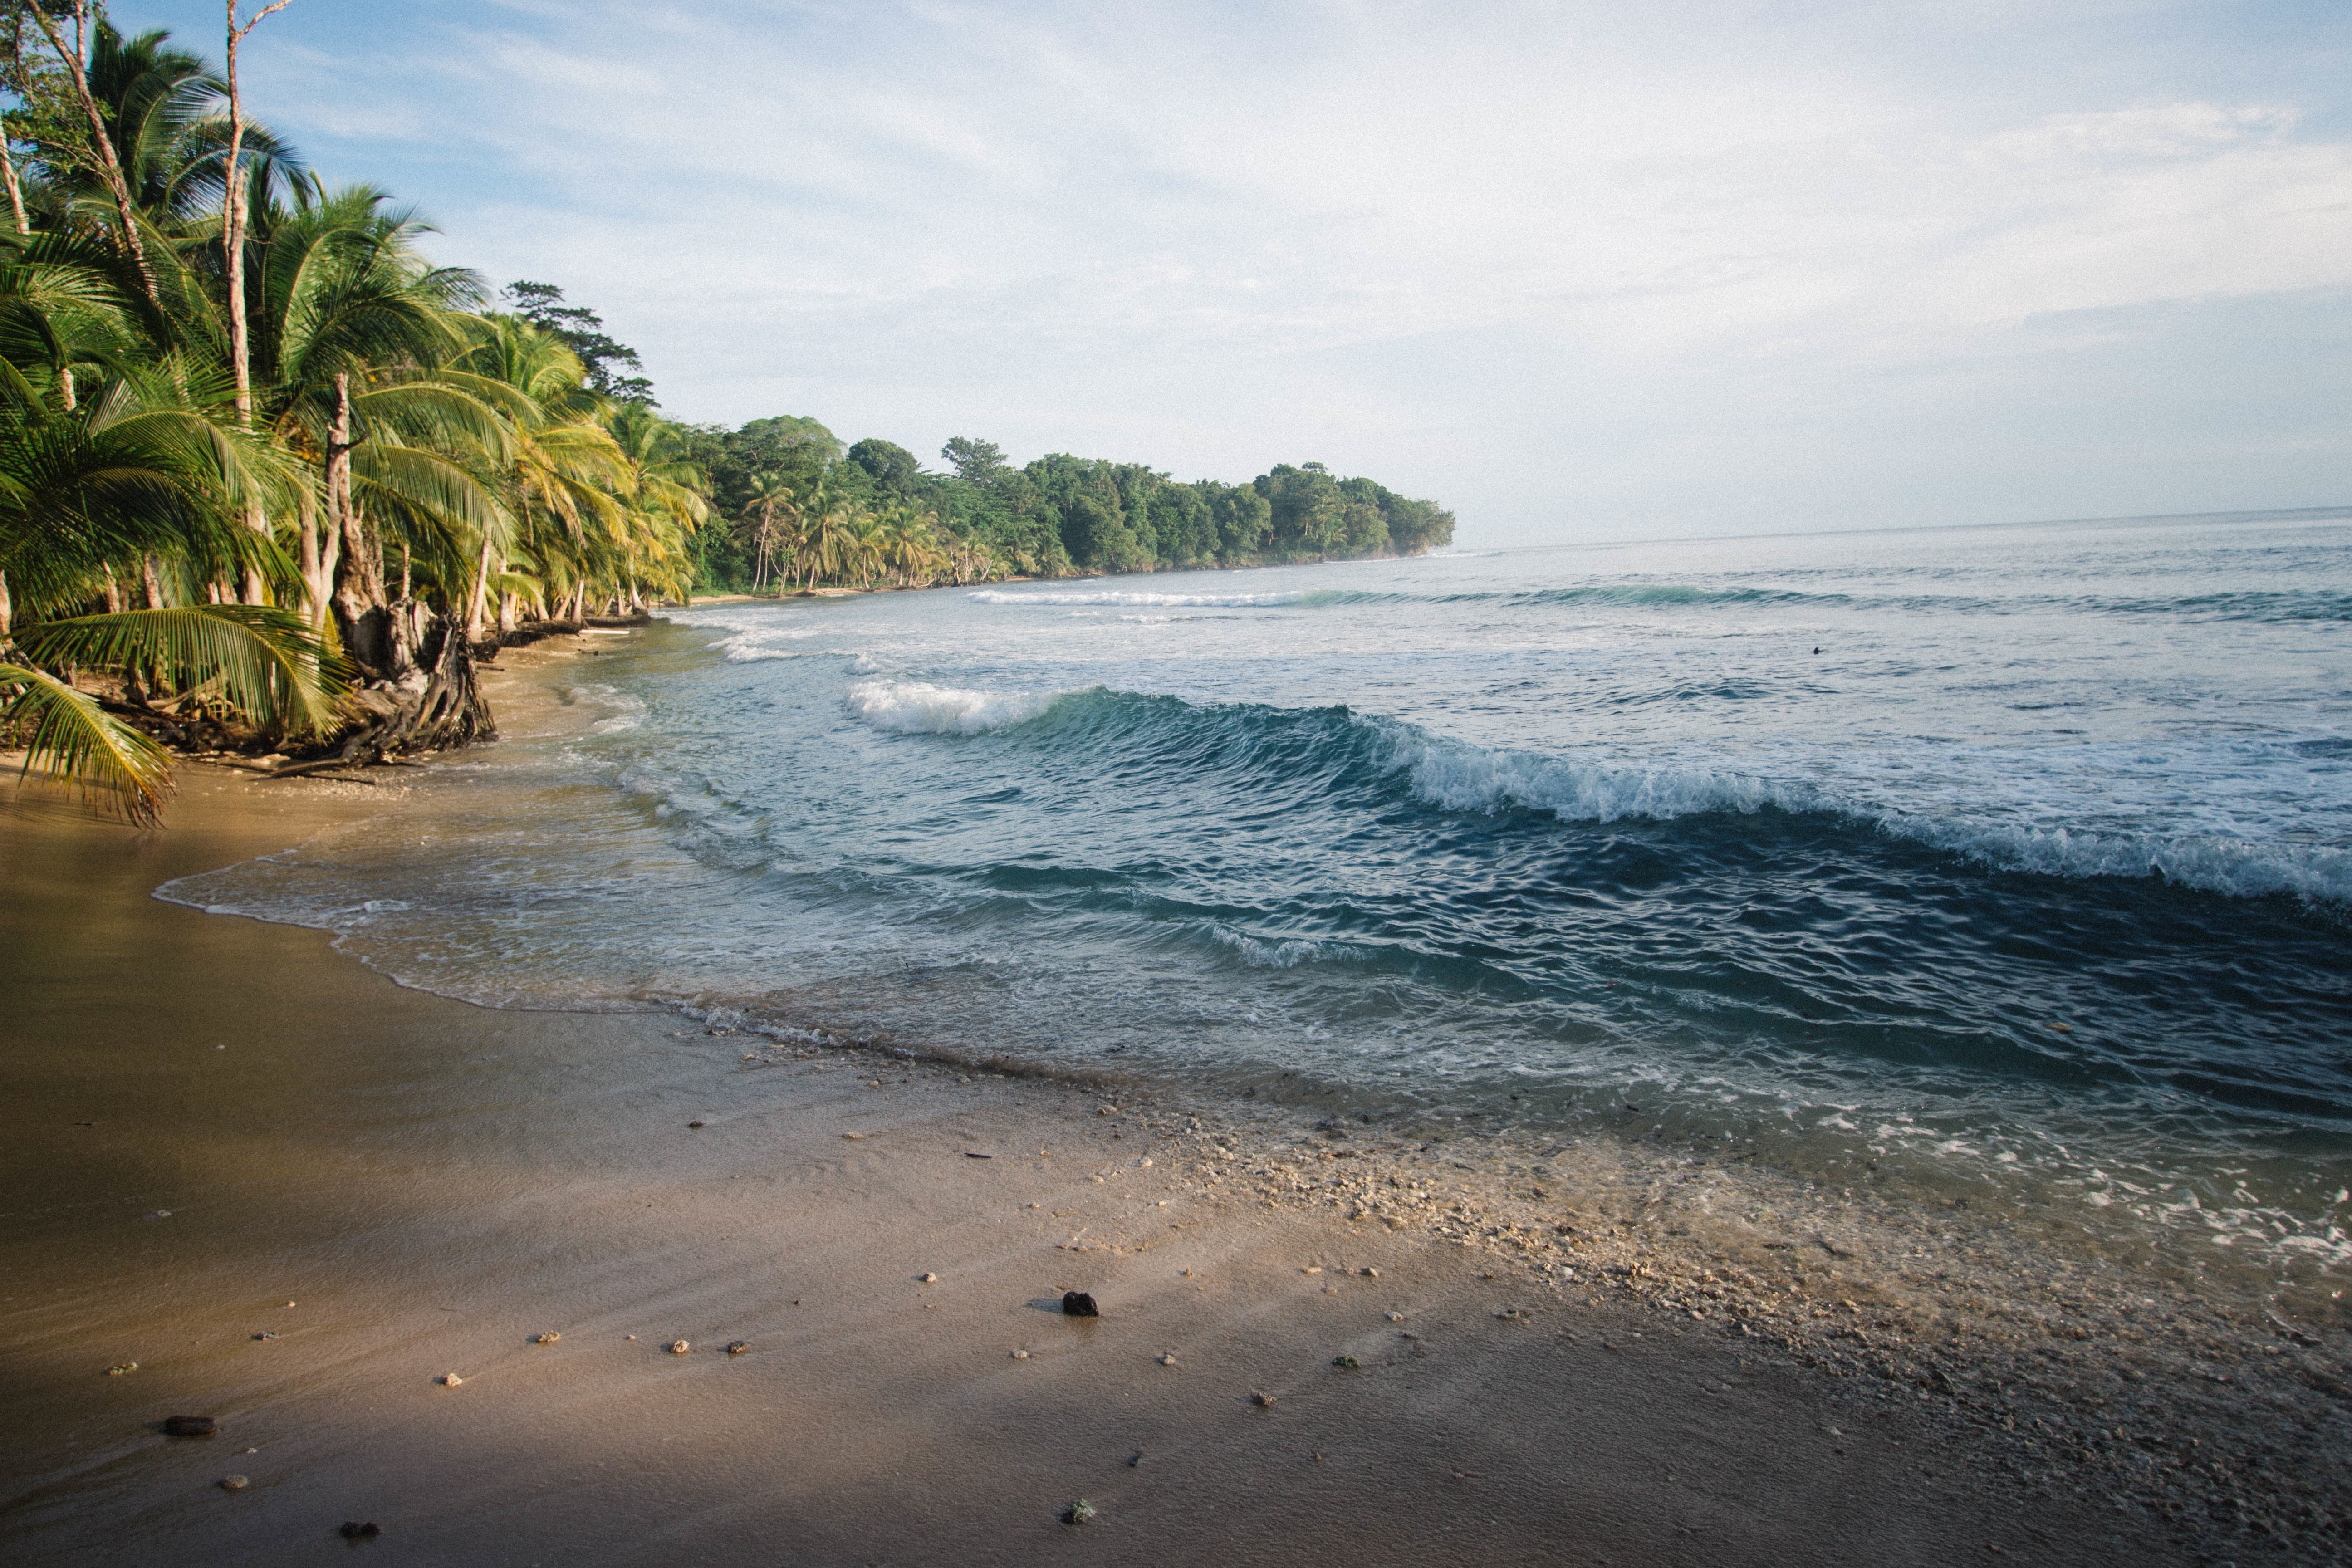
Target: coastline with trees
x=272 y=481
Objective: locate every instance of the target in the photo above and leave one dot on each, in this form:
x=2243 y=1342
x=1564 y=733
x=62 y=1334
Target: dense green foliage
x=1059 y=515
x=257 y=454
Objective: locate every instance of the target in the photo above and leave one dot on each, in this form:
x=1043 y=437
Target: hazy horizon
x=1703 y=271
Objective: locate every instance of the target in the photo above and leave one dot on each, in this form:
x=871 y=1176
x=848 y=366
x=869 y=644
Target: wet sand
x=214 y=1130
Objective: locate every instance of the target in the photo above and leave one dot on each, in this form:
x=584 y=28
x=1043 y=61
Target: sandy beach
x=291 y=1195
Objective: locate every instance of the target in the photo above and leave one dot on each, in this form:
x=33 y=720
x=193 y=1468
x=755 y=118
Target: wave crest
x=919 y=708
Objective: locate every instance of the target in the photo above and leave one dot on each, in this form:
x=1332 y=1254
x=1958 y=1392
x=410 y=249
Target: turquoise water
x=2024 y=854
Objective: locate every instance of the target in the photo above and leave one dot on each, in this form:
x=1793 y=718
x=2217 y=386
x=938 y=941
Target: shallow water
x=2019 y=857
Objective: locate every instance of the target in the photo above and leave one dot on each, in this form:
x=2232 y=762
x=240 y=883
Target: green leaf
x=68 y=738
x=270 y=662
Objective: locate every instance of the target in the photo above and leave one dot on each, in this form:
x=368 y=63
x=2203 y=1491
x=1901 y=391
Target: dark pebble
x=189 y=1425
x=1078 y=1304
x=354 y=1530
x=695 y=1124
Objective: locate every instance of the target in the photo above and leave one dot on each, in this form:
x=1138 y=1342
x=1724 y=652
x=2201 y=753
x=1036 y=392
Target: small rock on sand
x=1078 y=1304
x=1346 y=1362
x=234 y=1483
x=928 y=1278
x=548 y=1338
x=679 y=1347
x=1168 y=1360
x=122 y=1369
x=698 y=1124
x=189 y=1425
x=738 y=1347
x=1262 y=1400
x=1020 y=1355
x=450 y=1379
x=354 y=1530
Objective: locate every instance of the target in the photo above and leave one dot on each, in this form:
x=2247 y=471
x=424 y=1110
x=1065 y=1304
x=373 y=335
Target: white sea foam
x=916 y=707
x=1462 y=777
x=1125 y=600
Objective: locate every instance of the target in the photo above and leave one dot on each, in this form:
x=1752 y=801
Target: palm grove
x=269 y=476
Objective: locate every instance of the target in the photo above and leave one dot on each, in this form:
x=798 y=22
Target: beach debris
x=1078 y=1304
x=1368 y=1273
x=853 y=1137
x=234 y=1483
x=698 y=1124
x=1144 y=1163
x=1020 y=1355
x=1263 y=1400
x=1078 y=1512
x=1167 y=1358
x=1135 y=1460
x=547 y=1338
x=290 y=1303
x=267 y=1334
x=1510 y=1313
x=189 y=1425
x=161 y=1213
x=1347 y=1363
x=1396 y=1316
x=1312 y=1268
x=450 y=1379
x=928 y=1278
x=122 y=1369
x=976 y=1154
x=738 y=1347
x=354 y=1530
x=678 y=1347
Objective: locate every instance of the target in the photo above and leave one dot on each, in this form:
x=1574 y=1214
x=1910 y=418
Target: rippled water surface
x=2021 y=854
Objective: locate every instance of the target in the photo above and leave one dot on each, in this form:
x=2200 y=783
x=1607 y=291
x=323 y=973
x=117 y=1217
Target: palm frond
x=270 y=663
x=68 y=738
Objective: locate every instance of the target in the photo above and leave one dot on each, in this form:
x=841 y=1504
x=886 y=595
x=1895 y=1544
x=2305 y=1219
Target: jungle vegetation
x=270 y=478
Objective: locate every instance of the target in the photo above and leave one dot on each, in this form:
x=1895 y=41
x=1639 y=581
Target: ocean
x=2013 y=860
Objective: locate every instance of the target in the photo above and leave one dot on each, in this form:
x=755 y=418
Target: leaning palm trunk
x=362 y=612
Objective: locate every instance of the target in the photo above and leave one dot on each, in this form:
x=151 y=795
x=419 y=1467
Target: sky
x=1578 y=271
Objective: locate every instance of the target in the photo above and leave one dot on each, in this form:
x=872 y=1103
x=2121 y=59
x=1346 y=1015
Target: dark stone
x=1078 y=1304
x=695 y=1124
x=354 y=1530
x=188 y=1426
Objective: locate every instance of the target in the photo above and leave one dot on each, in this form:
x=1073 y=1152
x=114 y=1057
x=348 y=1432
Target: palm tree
x=769 y=496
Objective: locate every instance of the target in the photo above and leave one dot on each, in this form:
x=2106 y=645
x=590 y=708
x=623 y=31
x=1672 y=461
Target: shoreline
x=2033 y=1433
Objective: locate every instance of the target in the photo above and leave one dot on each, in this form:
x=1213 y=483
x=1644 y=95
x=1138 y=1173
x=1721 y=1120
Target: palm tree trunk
x=314 y=602
x=103 y=143
x=153 y=583
x=362 y=614
x=7 y=609
x=481 y=590
x=15 y=191
x=235 y=212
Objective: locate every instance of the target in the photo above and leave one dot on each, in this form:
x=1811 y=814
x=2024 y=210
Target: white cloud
x=1211 y=235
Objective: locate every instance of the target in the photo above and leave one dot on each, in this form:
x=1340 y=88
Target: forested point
x=272 y=481
x=981 y=518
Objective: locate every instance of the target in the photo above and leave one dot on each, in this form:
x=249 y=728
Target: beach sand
x=296 y=1195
